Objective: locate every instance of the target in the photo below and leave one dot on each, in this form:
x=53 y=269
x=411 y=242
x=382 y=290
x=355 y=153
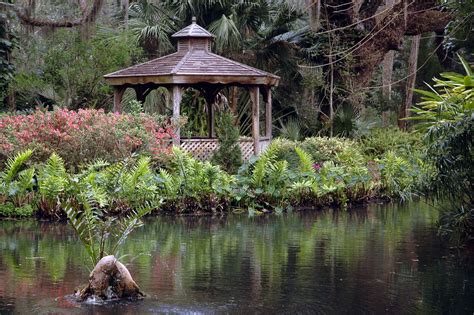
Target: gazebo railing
x=203 y=148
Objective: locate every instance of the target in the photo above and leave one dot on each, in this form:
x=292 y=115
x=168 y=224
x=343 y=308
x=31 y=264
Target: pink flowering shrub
x=84 y=135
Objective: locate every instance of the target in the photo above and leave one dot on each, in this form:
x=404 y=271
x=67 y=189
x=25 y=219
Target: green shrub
x=446 y=117
x=84 y=135
x=327 y=149
x=10 y=210
x=284 y=176
x=71 y=72
x=16 y=182
x=380 y=140
x=188 y=185
x=228 y=155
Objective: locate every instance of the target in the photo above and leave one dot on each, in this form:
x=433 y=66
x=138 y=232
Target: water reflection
x=374 y=260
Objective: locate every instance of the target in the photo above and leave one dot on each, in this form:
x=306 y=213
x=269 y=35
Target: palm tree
x=152 y=24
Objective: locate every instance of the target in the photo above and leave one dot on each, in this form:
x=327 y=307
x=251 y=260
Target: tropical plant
x=191 y=185
x=100 y=234
x=446 y=116
x=228 y=155
x=16 y=186
x=152 y=24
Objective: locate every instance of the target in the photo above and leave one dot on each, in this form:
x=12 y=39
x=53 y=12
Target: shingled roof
x=193 y=30
x=192 y=63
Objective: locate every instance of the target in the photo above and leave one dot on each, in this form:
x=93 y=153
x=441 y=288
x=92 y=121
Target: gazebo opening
x=194 y=65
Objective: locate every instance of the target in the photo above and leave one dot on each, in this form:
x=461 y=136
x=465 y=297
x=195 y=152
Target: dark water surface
x=379 y=259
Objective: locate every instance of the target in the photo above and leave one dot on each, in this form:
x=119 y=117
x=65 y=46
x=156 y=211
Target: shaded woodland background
x=346 y=66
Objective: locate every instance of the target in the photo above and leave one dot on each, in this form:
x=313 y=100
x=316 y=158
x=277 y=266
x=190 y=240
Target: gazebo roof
x=193 y=63
x=193 y=30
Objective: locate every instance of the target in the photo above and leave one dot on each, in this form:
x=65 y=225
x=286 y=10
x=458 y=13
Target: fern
x=26 y=179
x=53 y=178
x=131 y=222
x=306 y=161
x=84 y=224
x=14 y=165
x=140 y=170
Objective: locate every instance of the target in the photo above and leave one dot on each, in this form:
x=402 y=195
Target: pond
x=376 y=259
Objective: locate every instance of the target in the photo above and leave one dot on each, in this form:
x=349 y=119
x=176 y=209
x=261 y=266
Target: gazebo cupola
x=193 y=36
x=194 y=65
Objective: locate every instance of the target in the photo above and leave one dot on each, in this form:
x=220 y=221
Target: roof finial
x=193 y=20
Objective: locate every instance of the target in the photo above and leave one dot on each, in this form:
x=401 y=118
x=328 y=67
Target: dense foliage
x=7 y=43
x=311 y=173
x=85 y=135
x=447 y=119
x=71 y=69
x=317 y=48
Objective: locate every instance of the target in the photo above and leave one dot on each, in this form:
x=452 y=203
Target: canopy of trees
x=344 y=64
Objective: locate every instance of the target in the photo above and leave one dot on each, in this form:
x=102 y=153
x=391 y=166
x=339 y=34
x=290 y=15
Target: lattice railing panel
x=202 y=149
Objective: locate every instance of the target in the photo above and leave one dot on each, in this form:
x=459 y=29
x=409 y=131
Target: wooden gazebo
x=194 y=65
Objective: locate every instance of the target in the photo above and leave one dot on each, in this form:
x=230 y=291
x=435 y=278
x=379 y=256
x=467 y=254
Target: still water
x=376 y=259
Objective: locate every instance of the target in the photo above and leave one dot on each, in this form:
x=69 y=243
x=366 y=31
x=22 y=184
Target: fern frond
x=141 y=169
x=14 y=165
x=129 y=223
x=26 y=179
x=306 y=161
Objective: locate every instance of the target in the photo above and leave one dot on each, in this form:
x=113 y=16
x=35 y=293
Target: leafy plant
x=101 y=235
x=16 y=184
x=84 y=135
x=228 y=155
x=446 y=117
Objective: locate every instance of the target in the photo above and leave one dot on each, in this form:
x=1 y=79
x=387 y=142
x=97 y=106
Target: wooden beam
x=267 y=96
x=177 y=95
x=118 y=93
x=210 y=120
x=192 y=79
x=255 y=97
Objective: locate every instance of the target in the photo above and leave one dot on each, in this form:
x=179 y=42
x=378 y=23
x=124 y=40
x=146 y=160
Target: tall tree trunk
x=331 y=87
x=125 y=5
x=410 y=85
x=387 y=73
x=314 y=14
x=387 y=64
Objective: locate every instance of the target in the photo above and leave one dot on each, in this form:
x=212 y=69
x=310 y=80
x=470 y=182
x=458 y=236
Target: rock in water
x=110 y=279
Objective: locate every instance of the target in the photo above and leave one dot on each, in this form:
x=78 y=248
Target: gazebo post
x=254 y=96
x=176 y=92
x=210 y=120
x=267 y=96
x=118 y=93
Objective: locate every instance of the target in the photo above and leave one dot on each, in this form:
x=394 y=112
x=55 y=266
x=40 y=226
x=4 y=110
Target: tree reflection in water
x=376 y=259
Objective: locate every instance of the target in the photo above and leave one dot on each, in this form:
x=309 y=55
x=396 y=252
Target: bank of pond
x=311 y=173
